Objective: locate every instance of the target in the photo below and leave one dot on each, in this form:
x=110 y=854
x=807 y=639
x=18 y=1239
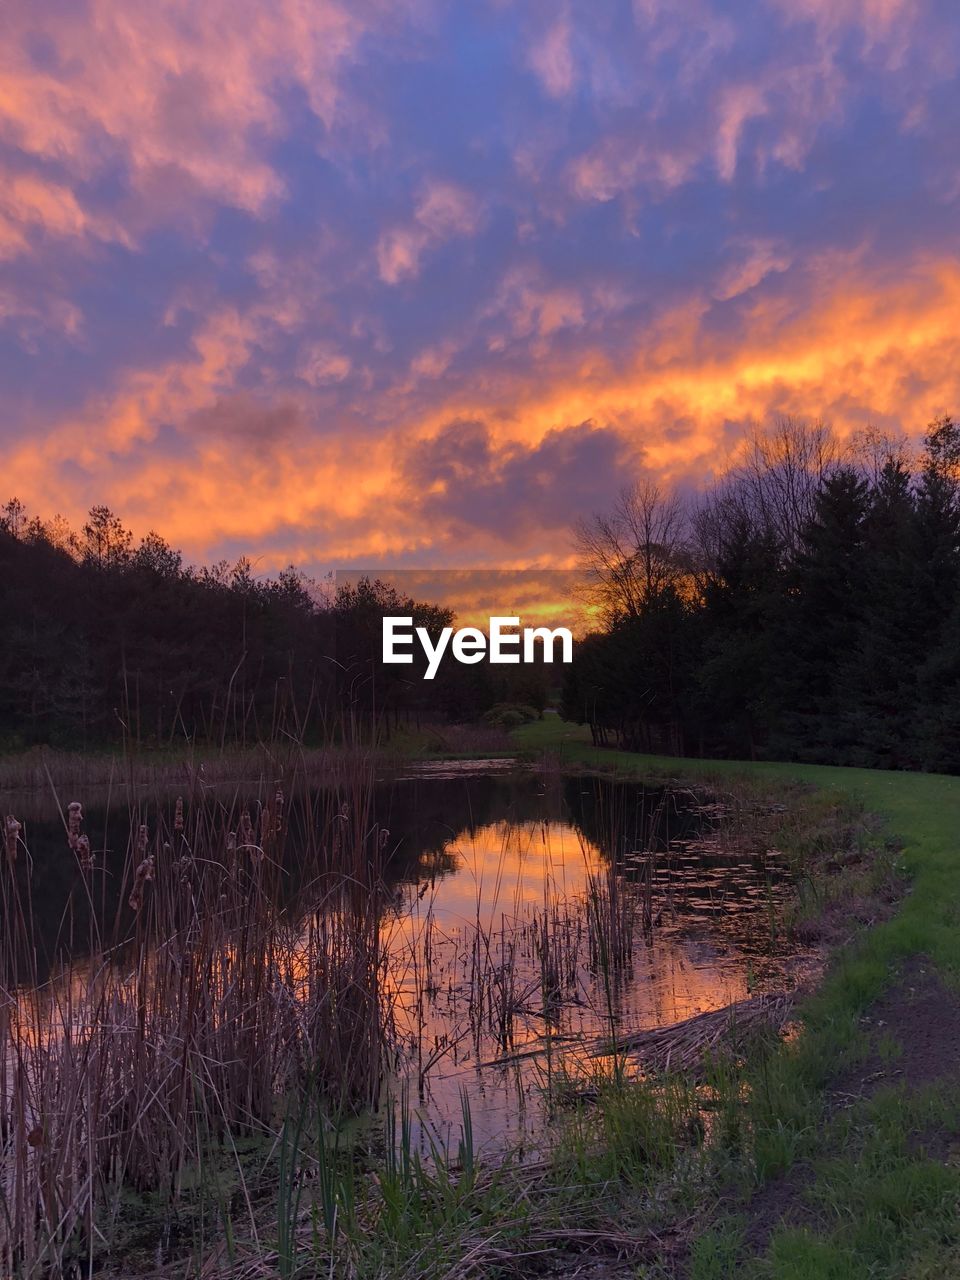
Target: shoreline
x=692 y=1173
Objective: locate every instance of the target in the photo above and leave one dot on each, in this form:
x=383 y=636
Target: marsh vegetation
x=344 y=1028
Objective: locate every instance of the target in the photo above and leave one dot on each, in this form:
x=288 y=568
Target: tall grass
x=198 y=1008
x=217 y=1007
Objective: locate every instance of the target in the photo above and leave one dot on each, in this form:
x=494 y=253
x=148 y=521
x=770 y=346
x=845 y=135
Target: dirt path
x=914 y=1036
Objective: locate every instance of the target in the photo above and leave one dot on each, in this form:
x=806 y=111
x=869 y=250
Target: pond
x=526 y=920
x=546 y=916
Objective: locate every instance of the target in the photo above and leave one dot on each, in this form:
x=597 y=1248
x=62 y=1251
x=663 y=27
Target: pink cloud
x=755 y=260
x=551 y=59
x=178 y=94
x=321 y=363
x=738 y=105
x=443 y=212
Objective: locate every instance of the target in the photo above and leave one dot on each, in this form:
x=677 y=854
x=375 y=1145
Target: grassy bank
x=869 y=1171
x=659 y=1176
x=137 y=771
x=803 y=1158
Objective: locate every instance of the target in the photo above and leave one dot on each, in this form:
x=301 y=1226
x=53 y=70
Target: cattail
x=178 y=815
x=248 y=839
x=144 y=873
x=84 y=853
x=142 y=842
x=11 y=837
x=278 y=805
x=74 y=820
x=384 y=837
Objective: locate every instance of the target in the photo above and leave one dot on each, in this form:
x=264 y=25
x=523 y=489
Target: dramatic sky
x=416 y=283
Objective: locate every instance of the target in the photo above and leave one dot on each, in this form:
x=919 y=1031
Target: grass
x=131 y=1076
x=193 y=1089
x=878 y=1205
x=154 y=770
x=630 y=1163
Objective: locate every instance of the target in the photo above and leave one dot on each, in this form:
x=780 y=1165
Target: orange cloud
x=857 y=353
x=627 y=257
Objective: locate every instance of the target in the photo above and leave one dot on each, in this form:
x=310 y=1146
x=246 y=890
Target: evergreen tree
x=821 y=623
x=936 y=551
x=937 y=733
x=879 y=676
x=936 y=739
x=743 y=596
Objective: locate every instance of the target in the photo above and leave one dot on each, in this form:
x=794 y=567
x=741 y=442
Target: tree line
x=806 y=608
x=106 y=641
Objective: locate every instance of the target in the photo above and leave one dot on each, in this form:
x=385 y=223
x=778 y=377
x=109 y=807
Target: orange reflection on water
x=511 y=953
x=498 y=979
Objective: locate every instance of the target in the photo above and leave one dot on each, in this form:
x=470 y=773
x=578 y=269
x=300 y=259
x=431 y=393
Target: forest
x=104 y=643
x=805 y=608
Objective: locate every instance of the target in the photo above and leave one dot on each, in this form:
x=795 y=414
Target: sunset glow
x=419 y=284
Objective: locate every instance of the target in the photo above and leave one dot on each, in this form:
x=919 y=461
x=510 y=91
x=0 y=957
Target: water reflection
x=498 y=936
x=525 y=917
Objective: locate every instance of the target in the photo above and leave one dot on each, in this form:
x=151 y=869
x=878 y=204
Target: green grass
x=647 y=1160
x=662 y=1159
x=877 y=1205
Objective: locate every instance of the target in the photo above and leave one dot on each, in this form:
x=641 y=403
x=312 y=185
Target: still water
x=527 y=919
x=500 y=933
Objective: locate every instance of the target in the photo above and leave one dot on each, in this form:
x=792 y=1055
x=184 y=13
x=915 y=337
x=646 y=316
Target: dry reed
x=189 y=1021
x=683 y=1046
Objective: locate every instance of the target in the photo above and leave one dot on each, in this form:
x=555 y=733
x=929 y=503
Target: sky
x=416 y=284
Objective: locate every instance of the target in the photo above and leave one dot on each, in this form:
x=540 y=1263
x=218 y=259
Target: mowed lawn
x=870 y=1171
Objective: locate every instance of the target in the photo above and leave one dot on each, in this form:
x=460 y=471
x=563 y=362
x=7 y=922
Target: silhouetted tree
x=105 y=541
x=743 y=597
x=821 y=609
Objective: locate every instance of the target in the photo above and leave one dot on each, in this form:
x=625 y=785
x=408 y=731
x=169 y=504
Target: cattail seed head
x=11 y=836
x=178 y=815
x=84 y=853
x=144 y=874
x=74 y=821
x=248 y=837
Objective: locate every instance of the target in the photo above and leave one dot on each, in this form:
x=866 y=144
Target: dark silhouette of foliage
x=103 y=643
x=810 y=609
x=818 y=618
